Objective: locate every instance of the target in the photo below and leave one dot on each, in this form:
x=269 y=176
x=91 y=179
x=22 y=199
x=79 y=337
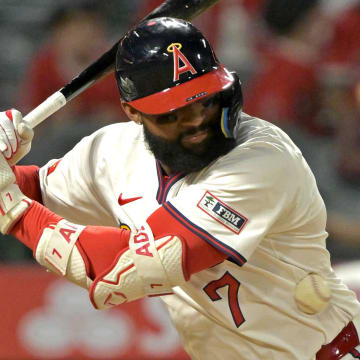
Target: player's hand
x=13 y=203
x=15 y=136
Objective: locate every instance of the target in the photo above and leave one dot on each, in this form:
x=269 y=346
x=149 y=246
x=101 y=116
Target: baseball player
x=213 y=210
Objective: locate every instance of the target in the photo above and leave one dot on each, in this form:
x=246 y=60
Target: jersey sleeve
x=237 y=201
x=70 y=185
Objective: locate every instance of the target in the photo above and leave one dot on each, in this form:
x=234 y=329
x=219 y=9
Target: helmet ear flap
x=231 y=102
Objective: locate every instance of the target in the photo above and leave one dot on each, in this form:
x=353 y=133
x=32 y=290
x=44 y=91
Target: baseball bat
x=183 y=9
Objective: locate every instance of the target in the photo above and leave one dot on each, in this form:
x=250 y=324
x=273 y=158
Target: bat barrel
x=182 y=9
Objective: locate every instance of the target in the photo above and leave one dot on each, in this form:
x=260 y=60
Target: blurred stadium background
x=300 y=69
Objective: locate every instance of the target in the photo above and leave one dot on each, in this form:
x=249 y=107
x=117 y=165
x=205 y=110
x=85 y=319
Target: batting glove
x=15 y=136
x=13 y=203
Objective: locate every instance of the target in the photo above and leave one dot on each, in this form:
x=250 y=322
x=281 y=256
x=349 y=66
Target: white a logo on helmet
x=178 y=56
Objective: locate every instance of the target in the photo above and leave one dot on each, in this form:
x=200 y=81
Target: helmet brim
x=184 y=94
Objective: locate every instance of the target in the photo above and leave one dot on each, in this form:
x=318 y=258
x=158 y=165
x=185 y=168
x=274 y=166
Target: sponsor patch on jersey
x=222 y=213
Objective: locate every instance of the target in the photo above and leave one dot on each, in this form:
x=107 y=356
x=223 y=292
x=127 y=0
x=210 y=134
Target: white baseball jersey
x=259 y=204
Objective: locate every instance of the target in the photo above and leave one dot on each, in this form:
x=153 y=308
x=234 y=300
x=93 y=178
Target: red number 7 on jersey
x=233 y=287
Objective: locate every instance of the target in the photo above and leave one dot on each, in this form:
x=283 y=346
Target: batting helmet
x=164 y=64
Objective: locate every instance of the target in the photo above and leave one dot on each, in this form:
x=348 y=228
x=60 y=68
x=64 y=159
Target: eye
x=166 y=118
x=211 y=101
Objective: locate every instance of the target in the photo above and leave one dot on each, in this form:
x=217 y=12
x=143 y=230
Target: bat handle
x=48 y=107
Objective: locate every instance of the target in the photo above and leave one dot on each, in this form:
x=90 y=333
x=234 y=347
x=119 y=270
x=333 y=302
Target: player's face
x=190 y=125
x=189 y=138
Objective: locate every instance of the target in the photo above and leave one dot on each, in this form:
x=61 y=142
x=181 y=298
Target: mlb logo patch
x=222 y=213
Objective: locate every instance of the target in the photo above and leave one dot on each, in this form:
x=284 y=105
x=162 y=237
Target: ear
x=131 y=113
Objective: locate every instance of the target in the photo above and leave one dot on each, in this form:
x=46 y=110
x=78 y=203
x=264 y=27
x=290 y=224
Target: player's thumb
x=25 y=132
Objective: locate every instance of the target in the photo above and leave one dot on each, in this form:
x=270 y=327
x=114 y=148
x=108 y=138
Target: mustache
x=196 y=129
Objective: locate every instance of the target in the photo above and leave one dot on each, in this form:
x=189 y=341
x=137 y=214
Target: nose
x=192 y=115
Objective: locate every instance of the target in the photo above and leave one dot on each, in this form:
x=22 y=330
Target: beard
x=183 y=160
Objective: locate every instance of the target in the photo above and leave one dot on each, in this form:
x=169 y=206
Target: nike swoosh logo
x=122 y=201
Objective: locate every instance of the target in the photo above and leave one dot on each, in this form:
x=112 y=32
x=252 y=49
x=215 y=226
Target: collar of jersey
x=165 y=185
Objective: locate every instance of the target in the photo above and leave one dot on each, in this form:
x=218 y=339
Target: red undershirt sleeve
x=198 y=254
x=28 y=180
